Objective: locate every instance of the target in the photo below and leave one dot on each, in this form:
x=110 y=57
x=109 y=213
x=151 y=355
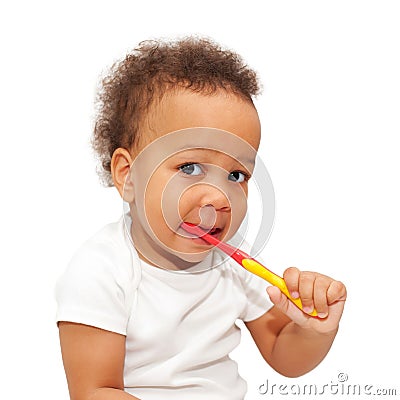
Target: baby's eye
x=191 y=169
x=237 y=176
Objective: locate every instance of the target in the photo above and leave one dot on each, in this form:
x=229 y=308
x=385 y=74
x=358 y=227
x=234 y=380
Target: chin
x=193 y=258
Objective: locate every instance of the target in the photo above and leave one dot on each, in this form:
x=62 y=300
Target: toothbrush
x=246 y=262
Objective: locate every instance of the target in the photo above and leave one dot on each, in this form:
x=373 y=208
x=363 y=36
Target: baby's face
x=195 y=169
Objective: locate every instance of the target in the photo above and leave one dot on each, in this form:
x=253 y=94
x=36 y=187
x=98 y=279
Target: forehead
x=222 y=110
x=210 y=154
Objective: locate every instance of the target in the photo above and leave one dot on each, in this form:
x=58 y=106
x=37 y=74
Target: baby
x=146 y=310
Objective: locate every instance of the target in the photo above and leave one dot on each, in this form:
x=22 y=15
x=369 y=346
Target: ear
x=121 y=162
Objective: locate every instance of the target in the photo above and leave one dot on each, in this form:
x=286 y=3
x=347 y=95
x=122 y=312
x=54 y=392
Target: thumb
x=278 y=298
x=283 y=304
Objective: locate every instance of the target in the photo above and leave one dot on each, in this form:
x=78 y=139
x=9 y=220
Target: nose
x=212 y=196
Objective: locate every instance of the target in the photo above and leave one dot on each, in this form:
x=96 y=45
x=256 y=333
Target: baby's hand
x=315 y=290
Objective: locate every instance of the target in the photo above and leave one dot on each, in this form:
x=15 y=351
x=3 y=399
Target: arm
x=93 y=362
x=289 y=340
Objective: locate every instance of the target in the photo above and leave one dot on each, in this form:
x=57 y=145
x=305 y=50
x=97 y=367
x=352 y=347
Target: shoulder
x=107 y=258
x=107 y=241
x=109 y=247
x=98 y=286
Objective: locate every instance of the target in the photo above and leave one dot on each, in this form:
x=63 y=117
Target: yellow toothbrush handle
x=259 y=270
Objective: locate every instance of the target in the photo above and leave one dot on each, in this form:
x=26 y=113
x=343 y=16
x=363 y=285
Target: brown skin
x=290 y=341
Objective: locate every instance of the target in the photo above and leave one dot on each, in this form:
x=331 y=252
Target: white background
x=330 y=116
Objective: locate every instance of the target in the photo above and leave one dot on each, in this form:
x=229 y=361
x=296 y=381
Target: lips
x=214 y=231
x=209 y=229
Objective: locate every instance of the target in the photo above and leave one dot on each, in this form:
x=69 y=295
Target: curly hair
x=146 y=73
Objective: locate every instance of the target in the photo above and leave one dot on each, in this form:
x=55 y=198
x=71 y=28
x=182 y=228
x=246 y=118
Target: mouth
x=213 y=231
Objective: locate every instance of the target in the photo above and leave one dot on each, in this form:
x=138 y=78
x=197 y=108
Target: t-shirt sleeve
x=258 y=302
x=93 y=290
x=255 y=289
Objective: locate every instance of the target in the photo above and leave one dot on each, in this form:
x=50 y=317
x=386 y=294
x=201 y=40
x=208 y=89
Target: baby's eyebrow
x=246 y=160
x=190 y=152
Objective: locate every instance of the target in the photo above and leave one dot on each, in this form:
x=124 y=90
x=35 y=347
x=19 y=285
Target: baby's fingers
x=321 y=286
x=300 y=284
x=336 y=292
x=291 y=277
x=306 y=288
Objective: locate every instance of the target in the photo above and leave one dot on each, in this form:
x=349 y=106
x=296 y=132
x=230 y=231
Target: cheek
x=239 y=210
x=153 y=194
x=165 y=202
x=187 y=202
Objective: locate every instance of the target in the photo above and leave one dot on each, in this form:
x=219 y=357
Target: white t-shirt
x=179 y=327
